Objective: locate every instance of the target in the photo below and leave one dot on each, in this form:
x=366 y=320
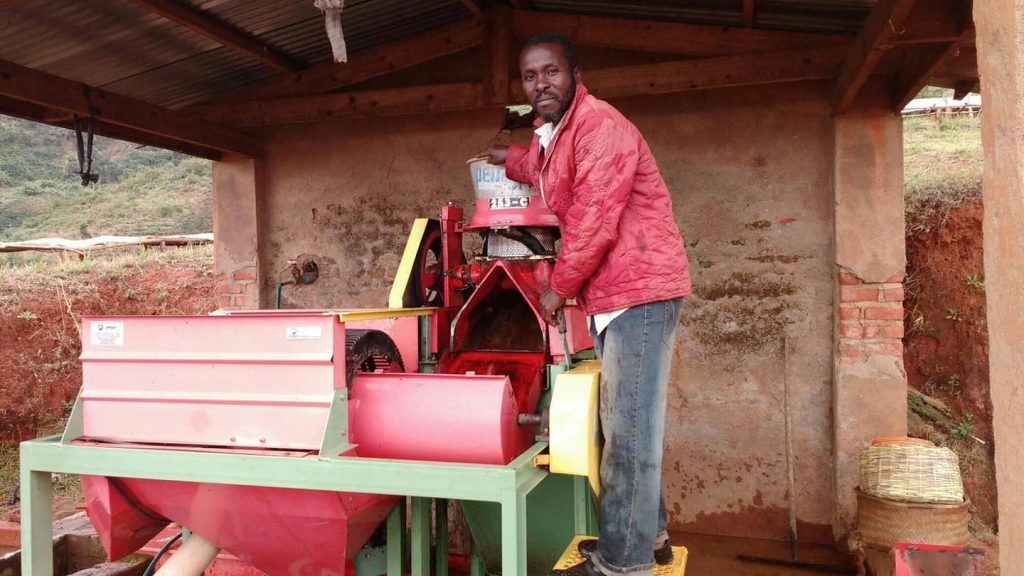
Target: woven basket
x=911 y=473
x=883 y=523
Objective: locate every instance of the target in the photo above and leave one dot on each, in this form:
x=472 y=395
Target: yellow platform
x=572 y=557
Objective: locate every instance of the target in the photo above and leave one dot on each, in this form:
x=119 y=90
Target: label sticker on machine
x=107 y=333
x=303 y=333
x=508 y=202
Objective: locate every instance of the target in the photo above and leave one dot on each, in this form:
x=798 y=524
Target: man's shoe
x=585 y=568
x=662 y=555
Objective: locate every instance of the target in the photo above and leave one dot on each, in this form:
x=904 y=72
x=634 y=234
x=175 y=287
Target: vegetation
x=140 y=191
x=942 y=166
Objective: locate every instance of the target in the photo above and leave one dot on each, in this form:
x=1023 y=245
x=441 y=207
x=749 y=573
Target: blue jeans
x=636 y=356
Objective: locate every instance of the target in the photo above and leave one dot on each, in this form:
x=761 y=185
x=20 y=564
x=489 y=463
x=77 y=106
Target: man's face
x=548 y=81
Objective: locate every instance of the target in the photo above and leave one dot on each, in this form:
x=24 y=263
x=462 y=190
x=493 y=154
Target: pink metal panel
x=264 y=382
x=577 y=332
x=121 y=526
x=278 y=530
x=403 y=330
x=436 y=417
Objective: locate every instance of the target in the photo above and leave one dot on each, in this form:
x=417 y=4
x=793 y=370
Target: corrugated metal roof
x=127 y=49
x=797 y=15
x=122 y=47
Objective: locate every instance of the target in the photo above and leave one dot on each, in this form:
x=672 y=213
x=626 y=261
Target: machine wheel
x=370 y=351
x=428 y=271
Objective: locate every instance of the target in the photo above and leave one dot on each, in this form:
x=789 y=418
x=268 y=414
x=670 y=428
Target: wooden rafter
x=473 y=8
x=879 y=34
x=388 y=102
x=660 y=78
x=963 y=88
x=926 y=63
x=748 y=13
x=30 y=86
x=365 y=64
x=719 y=72
x=497 y=47
x=665 y=37
x=221 y=33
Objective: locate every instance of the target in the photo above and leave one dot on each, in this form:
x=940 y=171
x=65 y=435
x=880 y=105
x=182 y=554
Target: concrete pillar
x=237 y=184
x=869 y=395
x=1000 y=40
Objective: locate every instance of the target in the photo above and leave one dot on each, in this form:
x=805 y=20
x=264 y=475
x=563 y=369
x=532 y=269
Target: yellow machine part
x=398 y=298
x=575 y=436
x=572 y=557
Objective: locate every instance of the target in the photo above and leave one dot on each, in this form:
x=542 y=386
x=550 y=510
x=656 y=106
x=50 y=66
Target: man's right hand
x=495 y=153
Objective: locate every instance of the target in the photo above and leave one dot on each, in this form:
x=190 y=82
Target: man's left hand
x=550 y=303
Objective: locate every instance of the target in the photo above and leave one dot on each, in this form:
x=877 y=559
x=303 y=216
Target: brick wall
x=238 y=290
x=870 y=317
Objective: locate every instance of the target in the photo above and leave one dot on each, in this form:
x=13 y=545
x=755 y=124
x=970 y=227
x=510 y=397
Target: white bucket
x=490 y=181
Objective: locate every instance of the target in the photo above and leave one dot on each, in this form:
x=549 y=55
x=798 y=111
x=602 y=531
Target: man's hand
x=550 y=303
x=495 y=153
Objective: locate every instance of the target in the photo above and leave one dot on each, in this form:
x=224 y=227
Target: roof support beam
x=661 y=78
x=665 y=37
x=878 y=35
x=498 y=48
x=473 y=8
x=30 y=86
x=720 y=72
x=748 y=13
x=220 y=33
x=927 y=62
x=365 y=64
x=388 y=102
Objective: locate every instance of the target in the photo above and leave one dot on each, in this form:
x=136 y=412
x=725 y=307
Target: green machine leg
x=441 y=537
x=396 y=540
x=36 y=522
x=420 y=538
x=513 y=535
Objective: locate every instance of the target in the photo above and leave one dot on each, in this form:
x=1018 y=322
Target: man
x=623 y=260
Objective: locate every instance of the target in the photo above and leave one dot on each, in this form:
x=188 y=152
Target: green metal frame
x=507 y=486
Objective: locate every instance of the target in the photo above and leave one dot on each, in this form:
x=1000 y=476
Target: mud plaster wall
x=750 y=172
x=1001 y=63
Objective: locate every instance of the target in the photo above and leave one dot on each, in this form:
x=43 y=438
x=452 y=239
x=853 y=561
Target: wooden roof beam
x=323 y=107
x=31 y=86
x=928 y=61
x=364 y=65
x=498 y=50
x=878 y=35
x=665 y=37
x=660 y=78
x=221 y=33
x=718 y=72
x=473 y=8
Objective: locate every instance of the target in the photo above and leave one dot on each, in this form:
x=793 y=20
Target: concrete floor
x=717 y=556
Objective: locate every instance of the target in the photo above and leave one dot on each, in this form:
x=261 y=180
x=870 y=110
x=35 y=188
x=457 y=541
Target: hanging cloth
x=332 y=18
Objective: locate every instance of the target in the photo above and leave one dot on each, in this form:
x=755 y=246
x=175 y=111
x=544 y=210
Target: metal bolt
x=233 y=439
x=263 y=440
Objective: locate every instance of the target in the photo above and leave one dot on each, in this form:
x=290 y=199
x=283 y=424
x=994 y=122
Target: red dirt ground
x=947 y=349
x=40 y=314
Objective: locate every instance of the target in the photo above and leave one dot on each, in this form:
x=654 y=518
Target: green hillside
x=141 y=190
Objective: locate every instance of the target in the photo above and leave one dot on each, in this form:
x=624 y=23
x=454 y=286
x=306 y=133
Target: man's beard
x=556 y=116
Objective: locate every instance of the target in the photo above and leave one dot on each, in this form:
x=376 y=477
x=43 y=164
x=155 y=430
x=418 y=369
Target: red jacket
x=621 y=246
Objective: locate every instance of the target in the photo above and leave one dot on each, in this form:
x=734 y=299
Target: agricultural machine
x=331 y=442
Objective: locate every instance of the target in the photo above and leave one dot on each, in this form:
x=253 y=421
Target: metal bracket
x=335 y=442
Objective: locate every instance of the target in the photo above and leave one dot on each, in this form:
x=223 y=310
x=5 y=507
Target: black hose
x=527 y=239
x=160 y=554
